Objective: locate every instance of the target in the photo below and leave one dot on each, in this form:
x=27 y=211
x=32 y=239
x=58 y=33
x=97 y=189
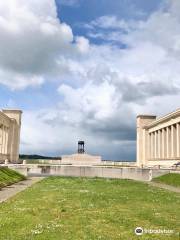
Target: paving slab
x=10 y=191
x=165 y=186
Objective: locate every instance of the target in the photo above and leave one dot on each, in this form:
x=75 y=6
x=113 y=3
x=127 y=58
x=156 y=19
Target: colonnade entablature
x=10 y=124
x=158 y=140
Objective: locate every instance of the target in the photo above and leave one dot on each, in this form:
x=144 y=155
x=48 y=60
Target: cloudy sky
x=83 y=69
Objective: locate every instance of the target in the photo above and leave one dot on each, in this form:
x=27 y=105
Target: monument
x=158 y=140
x=10 y=125
x=81 y=147
x=81 y=158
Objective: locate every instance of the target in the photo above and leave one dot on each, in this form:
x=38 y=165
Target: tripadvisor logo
x=139 y=231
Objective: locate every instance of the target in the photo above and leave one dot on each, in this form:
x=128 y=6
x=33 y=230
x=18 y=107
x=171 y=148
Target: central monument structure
x=81 y=158
x=81 y=147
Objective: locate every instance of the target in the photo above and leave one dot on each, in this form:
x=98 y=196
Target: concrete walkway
x=12 y=190
x=165 y=186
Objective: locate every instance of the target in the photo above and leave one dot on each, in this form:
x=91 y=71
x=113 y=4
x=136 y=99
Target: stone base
x=81 y=159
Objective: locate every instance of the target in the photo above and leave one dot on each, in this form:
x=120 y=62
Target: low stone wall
x=89 y=171
x=49 y=161
x=23 y=169
x=163 y=163
x=175 y=171
x=118 y=163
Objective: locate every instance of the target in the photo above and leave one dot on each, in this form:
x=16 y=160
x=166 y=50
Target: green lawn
x=9 y=176
x=89 y=209
x=170 y=179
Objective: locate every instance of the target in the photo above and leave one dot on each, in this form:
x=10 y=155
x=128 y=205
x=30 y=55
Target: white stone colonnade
x=10 y=124
x=164 y=143
x=158 y=140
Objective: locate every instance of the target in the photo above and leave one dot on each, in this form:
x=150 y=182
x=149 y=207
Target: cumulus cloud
x=55 y=132
x=31 y=42
x=109 y=28
x=139 y=79
x=108 y=22
x=109 y=85
x=82 y=44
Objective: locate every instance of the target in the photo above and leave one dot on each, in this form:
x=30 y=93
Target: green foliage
x=9 y=176
x=89 y=209
x=170 y=179
x=34 y=157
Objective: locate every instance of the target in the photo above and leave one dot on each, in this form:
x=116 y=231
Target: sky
x=83 y=70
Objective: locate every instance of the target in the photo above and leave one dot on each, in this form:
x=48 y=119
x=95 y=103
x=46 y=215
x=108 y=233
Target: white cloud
x=108 y=22
x=110 y=28
x=87 y=100
x=110 y=85
x=16 y=81
x=56 y=132
x=31 y=40
x=144 y=78
x=82 y=44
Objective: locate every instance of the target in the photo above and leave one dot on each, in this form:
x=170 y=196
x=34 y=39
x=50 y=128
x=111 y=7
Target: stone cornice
x=164 y=119
x=11 y=110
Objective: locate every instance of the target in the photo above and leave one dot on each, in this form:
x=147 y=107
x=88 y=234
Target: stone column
x=149 y=145
x=6 y=138
x=144 y=147
x=155 y=144
x=0 y=139
x=163 y=143
x=3 y=139
x=159 y=144
x=167 y=142
x=142 y=138
x=175 y=140
x=6 y=145
x=152 y=154
x=2 y=136
x=172 y=141
x=178 y=138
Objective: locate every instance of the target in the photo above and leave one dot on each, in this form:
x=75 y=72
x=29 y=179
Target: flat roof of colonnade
x=168 y=117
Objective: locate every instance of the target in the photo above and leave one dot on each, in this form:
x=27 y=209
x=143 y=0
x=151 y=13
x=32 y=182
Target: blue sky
x=84 y=11
x=84 y=69
x=75 y=15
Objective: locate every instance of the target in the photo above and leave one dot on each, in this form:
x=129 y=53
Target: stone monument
x=81 y=158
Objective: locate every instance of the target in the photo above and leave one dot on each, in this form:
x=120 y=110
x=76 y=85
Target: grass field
x=170 y=179
x=89 y=209
x=8 y=177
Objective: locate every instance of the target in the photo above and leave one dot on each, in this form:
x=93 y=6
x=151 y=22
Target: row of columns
x=165 y=143
x=4 y=131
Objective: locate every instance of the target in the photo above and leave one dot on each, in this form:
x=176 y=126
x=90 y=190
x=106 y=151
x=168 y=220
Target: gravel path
x=165 y=186
x=12 y=190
